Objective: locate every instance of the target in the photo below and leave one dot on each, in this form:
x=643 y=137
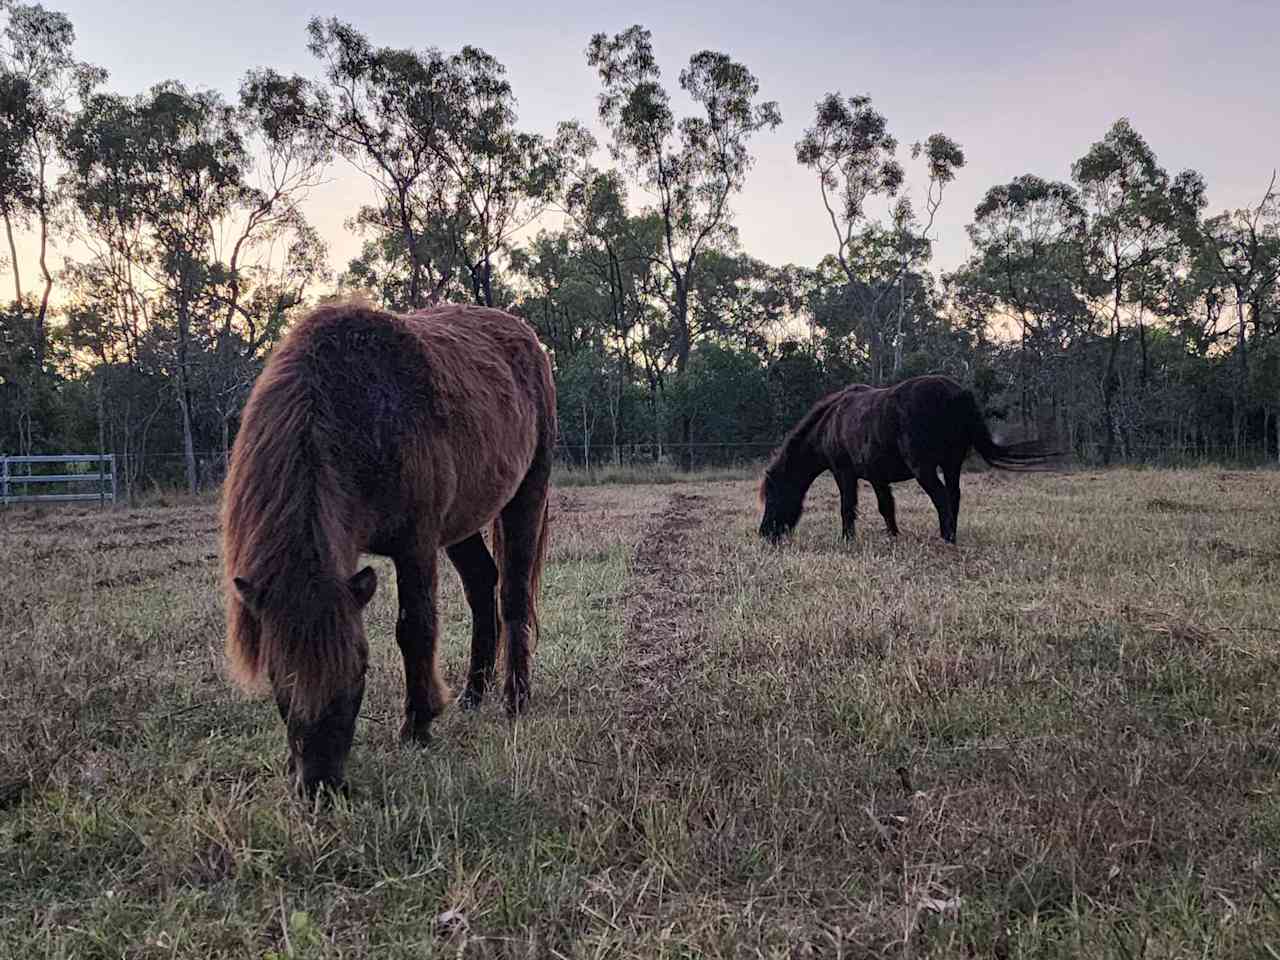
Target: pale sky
x=1025 y=87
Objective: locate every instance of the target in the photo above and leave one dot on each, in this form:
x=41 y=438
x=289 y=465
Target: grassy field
x=1056 y=739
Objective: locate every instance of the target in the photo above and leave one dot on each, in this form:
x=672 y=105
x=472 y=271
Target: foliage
x=1111 y=314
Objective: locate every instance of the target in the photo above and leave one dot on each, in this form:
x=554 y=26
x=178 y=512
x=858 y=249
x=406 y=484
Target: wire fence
x=139 y=477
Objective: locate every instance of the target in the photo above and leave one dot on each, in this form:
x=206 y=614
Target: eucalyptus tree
x=1137 y=220
x=1028 y=246
x=691 y=166
x=436 y=135
x=855 y=157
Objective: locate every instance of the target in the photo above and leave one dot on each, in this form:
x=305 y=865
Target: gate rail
x=100 y=472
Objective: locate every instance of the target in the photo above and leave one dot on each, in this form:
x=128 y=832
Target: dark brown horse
x=885 y=435
x=370 y=432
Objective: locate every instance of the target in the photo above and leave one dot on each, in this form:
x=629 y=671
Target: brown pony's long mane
x=283 y=532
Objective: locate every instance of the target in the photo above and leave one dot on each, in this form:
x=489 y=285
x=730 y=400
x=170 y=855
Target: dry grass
x=1057 y=739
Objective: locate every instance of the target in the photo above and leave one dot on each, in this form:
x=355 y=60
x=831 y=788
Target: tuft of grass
x=1056 y=739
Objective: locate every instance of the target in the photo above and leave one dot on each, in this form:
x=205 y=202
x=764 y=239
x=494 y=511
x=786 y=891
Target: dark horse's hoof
x=470 y=700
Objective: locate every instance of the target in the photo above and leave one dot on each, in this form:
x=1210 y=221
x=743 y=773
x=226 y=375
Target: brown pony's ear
x=249 y=594
x=362 y=586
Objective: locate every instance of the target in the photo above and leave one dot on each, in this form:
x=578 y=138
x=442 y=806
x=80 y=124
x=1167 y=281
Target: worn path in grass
x=671 y=583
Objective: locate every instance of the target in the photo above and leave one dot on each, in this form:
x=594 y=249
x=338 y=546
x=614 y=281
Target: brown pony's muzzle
x=318 y=748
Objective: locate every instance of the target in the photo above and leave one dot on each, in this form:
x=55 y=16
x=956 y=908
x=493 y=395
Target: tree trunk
x=184 y=400
x=226 y=444
x=902 y=309
x=188 y=447
x=618 y=415
x=1108 y=398
x=13 y=254
x=683 y=349
x=1142 y=342
x=102 y=447
x=1241 y=391
x=39 y=329
x=44 y=272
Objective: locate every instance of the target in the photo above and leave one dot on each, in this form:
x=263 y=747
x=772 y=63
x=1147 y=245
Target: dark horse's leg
x=416 y=629
x=479 y=579
x=928 y=479
x=884 y=500
x=847 y=481
x=951 y=473
x=521 y=524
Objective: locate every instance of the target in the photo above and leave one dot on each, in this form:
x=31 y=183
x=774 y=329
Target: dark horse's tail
x=1028 y=455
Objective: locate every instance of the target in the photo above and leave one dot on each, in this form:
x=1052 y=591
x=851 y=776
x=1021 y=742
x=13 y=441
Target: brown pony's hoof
x=321 y=790
x=517 y=702
x=414 y=731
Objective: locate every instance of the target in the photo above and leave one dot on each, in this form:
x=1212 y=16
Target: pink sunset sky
x=1024 y=87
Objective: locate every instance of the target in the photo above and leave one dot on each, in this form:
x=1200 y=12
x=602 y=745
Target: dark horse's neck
x=798 y=464
x=789 y=477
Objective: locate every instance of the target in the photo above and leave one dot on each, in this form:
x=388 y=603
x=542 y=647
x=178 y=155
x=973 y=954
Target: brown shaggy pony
x=370 y=432
x=885 y=435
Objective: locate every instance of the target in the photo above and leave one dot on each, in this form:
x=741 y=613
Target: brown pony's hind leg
x=479 y=576
x=416 y=630
x=523 y=529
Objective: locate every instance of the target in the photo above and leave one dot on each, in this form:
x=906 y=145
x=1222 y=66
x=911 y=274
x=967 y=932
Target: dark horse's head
x=309 y=640
x=782 y=500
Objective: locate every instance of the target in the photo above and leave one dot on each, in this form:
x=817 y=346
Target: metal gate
x=23 y=480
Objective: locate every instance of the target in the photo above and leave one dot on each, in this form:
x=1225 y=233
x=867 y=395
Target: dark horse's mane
x=799 y=432
x=285 y=507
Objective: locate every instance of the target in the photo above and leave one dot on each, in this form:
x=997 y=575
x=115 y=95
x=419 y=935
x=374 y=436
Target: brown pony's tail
x=1028 y=455
x=535 y=575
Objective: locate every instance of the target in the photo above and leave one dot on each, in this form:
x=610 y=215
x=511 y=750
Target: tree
x=436 y=135
x=1136 y=219
x=850 y=148
x=1242 y=248
x=158 y=180
x=623 y=253
x=1028 y=236
x=40 y=81
x=692 y=166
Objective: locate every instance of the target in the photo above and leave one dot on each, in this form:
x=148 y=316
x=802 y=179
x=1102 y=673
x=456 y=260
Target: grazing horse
x=372 y=432
x=885 y=435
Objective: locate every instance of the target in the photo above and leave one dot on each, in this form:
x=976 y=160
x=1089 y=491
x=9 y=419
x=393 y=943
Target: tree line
x=1112 y=314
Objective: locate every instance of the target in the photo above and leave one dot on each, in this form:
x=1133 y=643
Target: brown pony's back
x=369 y=432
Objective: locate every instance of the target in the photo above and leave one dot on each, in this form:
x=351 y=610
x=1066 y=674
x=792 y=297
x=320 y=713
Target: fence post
x=4 y=481
x=113 y=479
x=102 y=482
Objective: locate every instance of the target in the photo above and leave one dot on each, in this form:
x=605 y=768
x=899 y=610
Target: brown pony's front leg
x=479 y=576
x=416 y=630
